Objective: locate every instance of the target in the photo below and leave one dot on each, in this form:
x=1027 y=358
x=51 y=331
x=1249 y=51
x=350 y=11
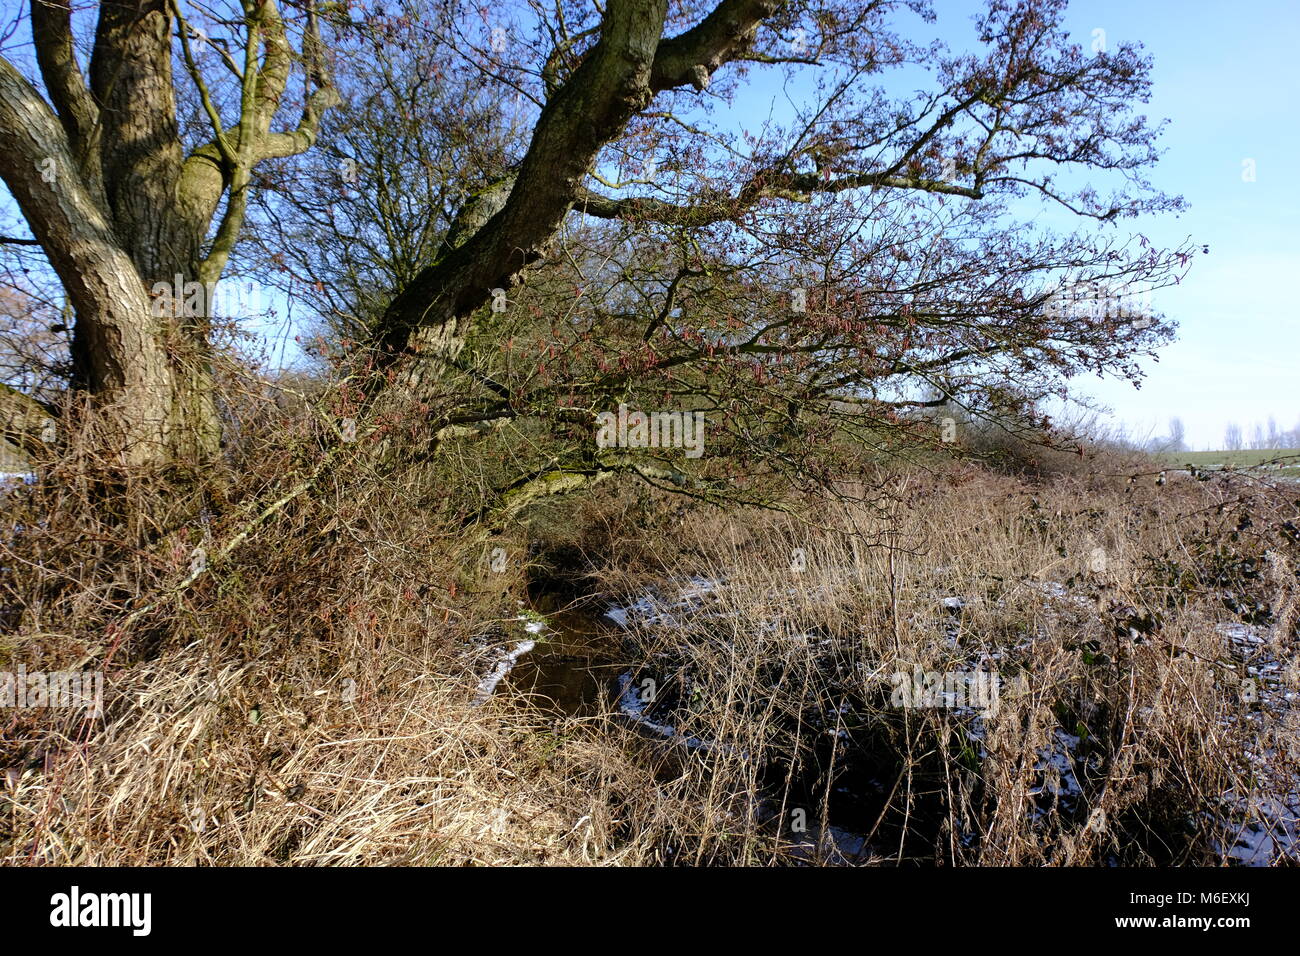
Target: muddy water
x=574 y=670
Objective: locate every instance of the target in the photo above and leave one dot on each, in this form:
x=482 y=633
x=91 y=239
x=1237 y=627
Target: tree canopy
x=514 y=220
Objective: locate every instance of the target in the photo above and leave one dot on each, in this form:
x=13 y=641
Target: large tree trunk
x=102 y=178
x=428 y=321
x=160 y=214
x=119 y=350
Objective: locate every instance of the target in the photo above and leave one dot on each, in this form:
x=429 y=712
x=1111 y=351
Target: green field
x=1287 y=458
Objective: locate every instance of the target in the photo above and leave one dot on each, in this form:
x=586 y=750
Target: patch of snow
x=655 y=610
x=631 y=705
x=1270 y=833
x=1059 y=760
x=503 y=667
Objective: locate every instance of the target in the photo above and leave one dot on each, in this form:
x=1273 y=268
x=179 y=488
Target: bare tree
x=1177 y=435
x=811 y=285
x=120 y=203
x=603 y=73
x=807 y=280
x=1232 y=438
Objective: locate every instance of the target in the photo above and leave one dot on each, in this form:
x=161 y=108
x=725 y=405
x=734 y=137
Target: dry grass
x=309 y=699
x=1122 y=721
x=309 y=705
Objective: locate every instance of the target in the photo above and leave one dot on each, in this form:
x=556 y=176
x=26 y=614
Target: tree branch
x=792 y=187
x=726 y=33
x=66 y=85
x=610 y=86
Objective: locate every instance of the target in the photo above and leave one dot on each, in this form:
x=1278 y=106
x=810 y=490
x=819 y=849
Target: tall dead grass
x=309 y=697
x=1142 y=717
x=289 y=655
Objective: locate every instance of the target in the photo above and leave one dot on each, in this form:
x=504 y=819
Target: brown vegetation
x=309 y=699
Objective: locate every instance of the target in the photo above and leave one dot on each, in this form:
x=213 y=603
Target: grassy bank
x=311 y=701
x=1282 y=462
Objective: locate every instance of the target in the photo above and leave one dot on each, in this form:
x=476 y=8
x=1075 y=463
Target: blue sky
x=1228 y=78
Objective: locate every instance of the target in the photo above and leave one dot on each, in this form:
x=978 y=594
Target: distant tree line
x=1235 y=437
x=1261 y=436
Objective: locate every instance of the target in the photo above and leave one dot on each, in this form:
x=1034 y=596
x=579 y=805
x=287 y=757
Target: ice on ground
x=631 y=705
x=655 y=610
x=503 y=667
